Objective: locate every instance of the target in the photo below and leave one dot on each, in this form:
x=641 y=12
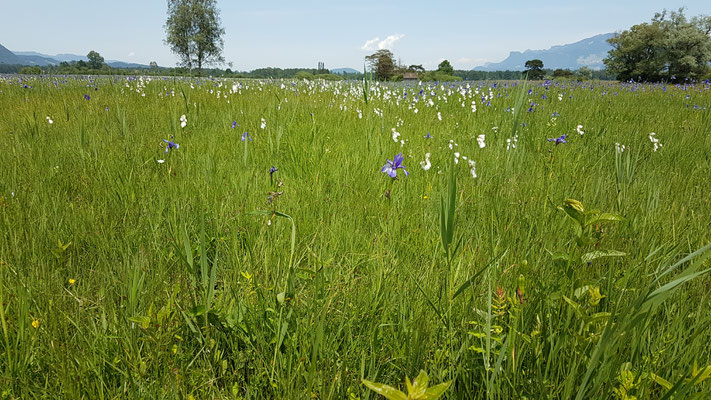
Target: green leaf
x=593 y=255
x=143 y=321
x=575 y=210
x=436 y=391
x=419 y=385
x=663 y=382
x=197 y=311
x=389 y=392
x=594 y=218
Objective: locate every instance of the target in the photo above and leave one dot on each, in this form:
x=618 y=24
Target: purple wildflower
x=558 y=140
x=170 y=145
x=86 y=97
x=272 y=170
x=427 y=136
x=391 y=167
x=234 y=124
x=246 y=136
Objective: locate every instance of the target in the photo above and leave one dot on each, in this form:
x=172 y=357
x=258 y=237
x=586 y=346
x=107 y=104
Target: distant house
x=410 y=76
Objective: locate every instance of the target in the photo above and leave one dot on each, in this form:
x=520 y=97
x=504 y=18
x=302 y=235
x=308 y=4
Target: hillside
x=585 y=53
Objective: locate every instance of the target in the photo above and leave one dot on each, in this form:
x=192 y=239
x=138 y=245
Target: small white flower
x=480 y=140
x=456 y=157
x=49 y=120
x=654 y=141
x=263 y=124
x=472 y=168
x=160 y=161
x=426 y=165
x=560 y=96
x=183 y=121
x=579 y=128
x=473 y=106
x=396 y=135
x=439 y=115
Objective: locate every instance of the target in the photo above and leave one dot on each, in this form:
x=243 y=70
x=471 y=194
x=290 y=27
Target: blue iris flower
x=246 y=136
x=391 y=167
x=170 y=145
x=272 y=170
x=558 y=140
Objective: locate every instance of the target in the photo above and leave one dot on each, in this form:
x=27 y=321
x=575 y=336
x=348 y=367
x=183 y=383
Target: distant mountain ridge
x=33 y=58
x=345 y=71
x=588 y=52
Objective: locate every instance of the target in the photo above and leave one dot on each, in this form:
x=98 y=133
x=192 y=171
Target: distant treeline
x=282 y=73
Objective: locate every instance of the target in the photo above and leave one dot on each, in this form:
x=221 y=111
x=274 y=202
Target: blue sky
x=300 y=34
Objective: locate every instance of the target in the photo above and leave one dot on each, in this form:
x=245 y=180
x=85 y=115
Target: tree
x=382 y=64
x=534 y=69
x=153 y=64
x=194 y=32
x=95 y=60
x=563 y=73
x=416 y=68
x=445 y=67
x=669 y=48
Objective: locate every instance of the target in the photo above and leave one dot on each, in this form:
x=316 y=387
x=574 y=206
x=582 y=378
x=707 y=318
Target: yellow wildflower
x=72 y=281
x=35 y=323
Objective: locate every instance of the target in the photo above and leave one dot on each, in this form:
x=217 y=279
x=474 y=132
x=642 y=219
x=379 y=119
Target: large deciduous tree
x=96 y=61
x=445 y=67
x=669 y=48
x=534 y=69
x=382 y=64
x=194 y=32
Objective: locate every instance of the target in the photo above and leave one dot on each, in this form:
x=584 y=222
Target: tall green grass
x=207 y=276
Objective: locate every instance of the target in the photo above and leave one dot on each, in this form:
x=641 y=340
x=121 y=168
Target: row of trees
x=669 y=48
x=384 y=67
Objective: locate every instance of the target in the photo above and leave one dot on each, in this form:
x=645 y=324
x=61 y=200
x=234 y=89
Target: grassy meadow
x=205 y=238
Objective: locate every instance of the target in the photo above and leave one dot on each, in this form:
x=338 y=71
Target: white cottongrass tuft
x=396 y=135
x=263 y=124
x=481 y=141
x=579 y=128
x=472 y=168
x=49 y=120
x=183 y=121
x=426 y=165
x=654 y=141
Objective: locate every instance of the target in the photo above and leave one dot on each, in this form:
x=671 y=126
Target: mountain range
x=585 y=53
x=33 y=58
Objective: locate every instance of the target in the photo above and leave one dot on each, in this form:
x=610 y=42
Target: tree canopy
x=96 y=61
x=534 y=69
x=445 y=67
x=382 y=64
x=194 y=32
x=669 y=48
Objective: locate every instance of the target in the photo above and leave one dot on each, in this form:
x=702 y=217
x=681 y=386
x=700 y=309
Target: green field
x=207 y=275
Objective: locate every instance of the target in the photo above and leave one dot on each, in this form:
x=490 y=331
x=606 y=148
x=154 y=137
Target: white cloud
x=377 y=44
x=131 y=54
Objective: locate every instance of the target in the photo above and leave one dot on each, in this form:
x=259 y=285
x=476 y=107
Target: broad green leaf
x=436 y=391
x=602 y=217
x=593 y=255
x=419 y=385
x=389 y=392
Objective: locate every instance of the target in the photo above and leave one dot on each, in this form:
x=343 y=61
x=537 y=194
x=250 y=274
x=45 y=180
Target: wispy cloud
x=131 y=54
x=377 y=44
